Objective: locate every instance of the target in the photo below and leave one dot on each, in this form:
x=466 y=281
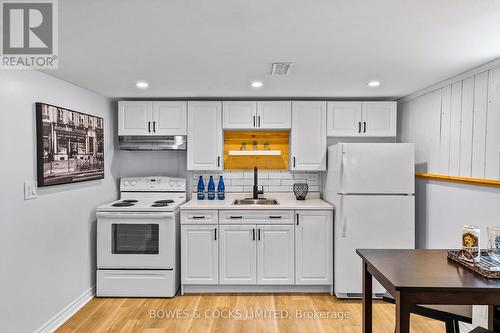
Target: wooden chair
x=449 y=314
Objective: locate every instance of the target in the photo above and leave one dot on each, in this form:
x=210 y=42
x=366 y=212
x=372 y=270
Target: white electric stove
x=138 y=241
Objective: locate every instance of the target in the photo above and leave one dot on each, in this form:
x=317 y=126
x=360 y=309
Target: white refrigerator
x=372 y=186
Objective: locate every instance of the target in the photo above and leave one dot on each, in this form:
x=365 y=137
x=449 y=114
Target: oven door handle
x=134 y=215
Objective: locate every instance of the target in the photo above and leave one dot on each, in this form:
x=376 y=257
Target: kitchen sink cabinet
x=237 y=254
x=205 y=138
x=308 y=138
x=199 y=254
x=361 y=119
x=313 y=247
x=275 y=254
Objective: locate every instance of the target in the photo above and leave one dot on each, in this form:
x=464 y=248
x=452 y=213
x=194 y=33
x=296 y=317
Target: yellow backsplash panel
x=277 y=141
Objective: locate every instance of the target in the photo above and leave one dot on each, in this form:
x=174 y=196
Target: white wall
x=47 y=245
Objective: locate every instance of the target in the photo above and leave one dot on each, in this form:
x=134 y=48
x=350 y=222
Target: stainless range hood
x=144 y=142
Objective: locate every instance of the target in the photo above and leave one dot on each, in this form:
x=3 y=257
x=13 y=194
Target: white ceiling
x=210 y=48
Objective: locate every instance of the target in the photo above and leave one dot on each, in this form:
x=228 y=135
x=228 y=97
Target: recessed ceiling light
x=142 y=84
x=257 y=84
x=373 y=83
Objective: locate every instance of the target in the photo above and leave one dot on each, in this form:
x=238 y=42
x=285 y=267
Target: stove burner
x=129 y=200
x=159 y=204
x=122 y=204
x=167 y=201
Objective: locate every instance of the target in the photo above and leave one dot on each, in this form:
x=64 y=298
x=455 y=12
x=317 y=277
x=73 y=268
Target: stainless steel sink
x=250 y=201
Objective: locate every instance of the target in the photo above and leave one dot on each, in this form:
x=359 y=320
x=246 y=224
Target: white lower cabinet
x=275 y=254
x=237 y=254
x=314 y=247
x=199 y=254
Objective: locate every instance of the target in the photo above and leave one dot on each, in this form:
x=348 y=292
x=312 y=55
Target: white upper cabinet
x=152 y=118
x=344 y=119
x=308 y=138
x=135 y=118
x=170 y=118
x=274 y=115
x=353 y=119
x=379 y=118
x=204 y=147
x=257 y=115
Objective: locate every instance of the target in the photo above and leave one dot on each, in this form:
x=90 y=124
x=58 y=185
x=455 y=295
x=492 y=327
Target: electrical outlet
x=30 y=190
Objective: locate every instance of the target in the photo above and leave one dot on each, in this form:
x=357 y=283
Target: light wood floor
x=134 y=315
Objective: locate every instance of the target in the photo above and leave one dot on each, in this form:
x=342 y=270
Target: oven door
x=135 y=240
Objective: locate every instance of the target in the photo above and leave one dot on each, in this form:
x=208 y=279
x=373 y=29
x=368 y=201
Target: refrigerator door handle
x=344 y=227
x=343 y=162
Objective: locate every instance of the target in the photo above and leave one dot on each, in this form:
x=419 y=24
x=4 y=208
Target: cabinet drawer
x=256 y=216
x=199 y=216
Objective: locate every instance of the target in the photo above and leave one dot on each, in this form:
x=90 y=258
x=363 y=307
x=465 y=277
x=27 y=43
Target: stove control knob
x=179 y=183
x=125 y=183
x=133 y=183
x=171 y=183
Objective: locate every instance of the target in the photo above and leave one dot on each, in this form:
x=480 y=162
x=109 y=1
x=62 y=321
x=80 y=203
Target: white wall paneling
x=456 y=128
x=479 y=124
x=492 y=158
x=466 y=126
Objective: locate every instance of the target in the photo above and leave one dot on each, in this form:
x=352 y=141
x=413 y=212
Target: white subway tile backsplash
x=272 y=181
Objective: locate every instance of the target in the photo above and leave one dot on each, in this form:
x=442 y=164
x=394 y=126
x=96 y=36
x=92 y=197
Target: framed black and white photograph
x=70 y=146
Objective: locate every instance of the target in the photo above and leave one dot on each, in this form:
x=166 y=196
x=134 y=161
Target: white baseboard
x=59 y=319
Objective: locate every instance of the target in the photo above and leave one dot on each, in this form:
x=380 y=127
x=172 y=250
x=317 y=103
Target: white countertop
x=285 y=201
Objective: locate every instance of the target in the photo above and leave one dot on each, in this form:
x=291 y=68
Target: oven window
x=135 y=239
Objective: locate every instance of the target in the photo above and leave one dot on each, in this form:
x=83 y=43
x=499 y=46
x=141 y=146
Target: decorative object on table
x=266 y=146
x=494 y=243
x=221 y=189
x=485 y=266
x=70 y=145
x=200 y=193
x=255 y=145
x=243 y=146
x=211 y=189
x=470 y=242
x=300 y=190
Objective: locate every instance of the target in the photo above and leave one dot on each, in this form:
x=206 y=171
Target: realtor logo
x=29 y=34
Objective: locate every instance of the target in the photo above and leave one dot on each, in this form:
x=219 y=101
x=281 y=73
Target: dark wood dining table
x=422 y=277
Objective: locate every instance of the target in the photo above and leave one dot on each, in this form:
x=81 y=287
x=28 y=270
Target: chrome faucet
x=256 y=190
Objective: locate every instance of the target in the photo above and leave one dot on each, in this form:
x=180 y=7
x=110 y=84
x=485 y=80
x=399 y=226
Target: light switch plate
x=30 y=190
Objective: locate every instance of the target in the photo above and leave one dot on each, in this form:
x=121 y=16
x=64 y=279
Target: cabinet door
x=170 y=118
x=199 y=255
x=135 y=118
x=379 y=118
x=239 y=114
x=275 y=254
x=204 y=147
x=344 y=119
x=274 y=115
x=237 y=254
x=308 y=136
x=314 y=247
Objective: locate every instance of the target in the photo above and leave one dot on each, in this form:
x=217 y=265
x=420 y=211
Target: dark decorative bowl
x=300 y=190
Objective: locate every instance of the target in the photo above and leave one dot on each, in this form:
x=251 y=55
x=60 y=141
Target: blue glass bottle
x=221 y=189
x=201 y=189
x=211 y=189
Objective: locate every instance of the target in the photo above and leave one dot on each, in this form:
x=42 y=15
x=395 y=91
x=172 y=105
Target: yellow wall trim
x=463 y=180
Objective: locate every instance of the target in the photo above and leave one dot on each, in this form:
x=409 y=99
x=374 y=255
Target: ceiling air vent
x=281 y=68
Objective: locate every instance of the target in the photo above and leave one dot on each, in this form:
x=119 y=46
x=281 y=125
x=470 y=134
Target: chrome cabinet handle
x=253 y=234
x=198 y=217
x=236 y=217
x=215 y=234
x=259 y=121
x=297 y=218
x=154 y=126
x=258 y=237
x=253 y=121
x=218 y=161
x=364 y=126
x=359 y=127
x=274 y=217
x=149 y=126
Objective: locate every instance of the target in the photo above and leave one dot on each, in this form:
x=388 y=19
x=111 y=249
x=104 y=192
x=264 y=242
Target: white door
x=170 y=118
x=199 y=254
x=369 y=222
x=204 y=147
x=275 y=254
x=237 y=254
x=344 y=119
x=377 y=168
x=314 y=247
x=308 y=136
x=239 y=114
x=135 y=118
x=274 y=115
x=379 y=118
